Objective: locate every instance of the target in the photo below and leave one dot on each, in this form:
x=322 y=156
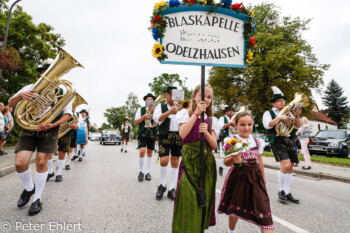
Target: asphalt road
x=102 y=194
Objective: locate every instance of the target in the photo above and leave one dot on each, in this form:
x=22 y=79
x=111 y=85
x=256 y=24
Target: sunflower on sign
x=157 y=50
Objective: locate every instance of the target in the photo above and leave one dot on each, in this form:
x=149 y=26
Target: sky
x=111 y=40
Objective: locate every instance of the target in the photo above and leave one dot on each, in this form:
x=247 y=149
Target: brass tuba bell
x=78 y=100
x=29 y=114
x=285 y=128
x=149 y=122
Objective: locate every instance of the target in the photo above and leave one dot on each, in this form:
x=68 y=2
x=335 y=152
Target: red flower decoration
x=158 y=18
x=252 y=41
x=236 y=6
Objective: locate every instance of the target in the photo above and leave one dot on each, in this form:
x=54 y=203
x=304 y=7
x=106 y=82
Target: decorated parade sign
x=205 y=35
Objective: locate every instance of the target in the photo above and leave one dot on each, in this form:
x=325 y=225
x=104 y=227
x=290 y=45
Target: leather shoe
x=141 y=175
x=59 y=178
x=171 y=194
x=3 y=152
x=126 y=151
x=84 y=154
x=49 y=176
x=121 y=150
x=148 y=176
x=25 y=197
x=306 y=168
x=80 y=160
x=160 y=192
x=74 y=157
x=282 y=195
x=292 y=199
x=35 y=208
x=221 y=170
x=67 y=167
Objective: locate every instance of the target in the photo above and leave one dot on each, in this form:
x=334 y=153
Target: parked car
x=264 y=137
x=331 y=143
x=95 y=136
x=110 y=137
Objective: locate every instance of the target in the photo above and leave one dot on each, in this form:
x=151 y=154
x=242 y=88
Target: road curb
x=314 y=174
x=11 y=168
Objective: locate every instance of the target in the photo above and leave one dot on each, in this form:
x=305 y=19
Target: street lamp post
x=7 y=30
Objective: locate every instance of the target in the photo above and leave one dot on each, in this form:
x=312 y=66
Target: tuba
x=29 y=114
x=285 y=128
x=185 y=104
x=148 y=122
x=78 y=100
x=242 y=109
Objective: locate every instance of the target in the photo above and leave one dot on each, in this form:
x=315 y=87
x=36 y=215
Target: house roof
x=318 y=116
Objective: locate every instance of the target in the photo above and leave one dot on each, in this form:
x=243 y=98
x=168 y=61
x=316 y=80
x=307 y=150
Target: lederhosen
x=146 y=136
x=168 y=140
x=43 y=141
x=282 y=147
x=73 y=141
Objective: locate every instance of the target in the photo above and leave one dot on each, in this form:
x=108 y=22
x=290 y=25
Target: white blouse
x=252 y=142
x=183 y=116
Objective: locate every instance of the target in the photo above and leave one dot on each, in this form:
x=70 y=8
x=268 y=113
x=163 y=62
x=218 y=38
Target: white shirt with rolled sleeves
x=267 y=118
x=66 y=110
x=174 y=126
x=138 y=115
x=183 y=116
x=222 y=123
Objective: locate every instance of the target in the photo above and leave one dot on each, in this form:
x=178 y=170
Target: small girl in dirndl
x=244 y=194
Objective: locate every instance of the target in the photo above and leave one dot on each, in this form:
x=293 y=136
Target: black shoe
x=3 y=152
x=84 y=154
x=126 y=151
x=160 y=192
x=49 y=176
x=141 y=177
x=35 y=208
x=292 y=199
x=59 y=178
x=80 y=160
x=25 y=197
x=148 y=176
x=306 y=168
x=74 y=157
x=282 y=195
x=171 y=194
x=67 y=167
x=121 y=150
x=221 y=170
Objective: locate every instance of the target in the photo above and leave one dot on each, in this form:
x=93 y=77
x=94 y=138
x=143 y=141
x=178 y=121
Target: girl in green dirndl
x=188 y=216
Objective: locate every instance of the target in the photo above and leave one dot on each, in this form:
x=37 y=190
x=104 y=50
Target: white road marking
x=282 y=222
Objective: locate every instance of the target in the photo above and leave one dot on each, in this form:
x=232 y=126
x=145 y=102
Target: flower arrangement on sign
x=234 y=146
x=159 y=23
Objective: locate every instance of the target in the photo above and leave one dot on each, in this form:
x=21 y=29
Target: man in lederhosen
x=146 y=137
x=126 y=129
x=225 y=123
x=283 y=147
x=44 y=141
x=169 y=140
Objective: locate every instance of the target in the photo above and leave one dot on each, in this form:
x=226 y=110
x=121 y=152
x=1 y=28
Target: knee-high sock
x=76 y=150
x=26 y=178
x=282 y=180
x=173 y=177
x=231 y=231
x=163 y=171
x=40 y=180
x=287 y=183
x=69 y=155
x=81 y=152
x=222 y=162
x=125 y=146
x=122 y=145
x=149 y=163
x=50 y=166
x=60 y=164
x=141 y=162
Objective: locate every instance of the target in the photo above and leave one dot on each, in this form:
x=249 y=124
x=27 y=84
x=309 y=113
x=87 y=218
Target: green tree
x=115 y=115
x=160 y=83
x=282 y=58
x=105 y=126
x=131 y=105
x=335 y=102
x=28 y=44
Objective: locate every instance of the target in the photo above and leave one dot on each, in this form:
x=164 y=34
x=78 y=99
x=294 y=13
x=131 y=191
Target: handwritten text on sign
x=196 y=37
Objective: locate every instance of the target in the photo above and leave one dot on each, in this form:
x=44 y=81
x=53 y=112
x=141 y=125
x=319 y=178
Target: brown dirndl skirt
x=244 y=195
